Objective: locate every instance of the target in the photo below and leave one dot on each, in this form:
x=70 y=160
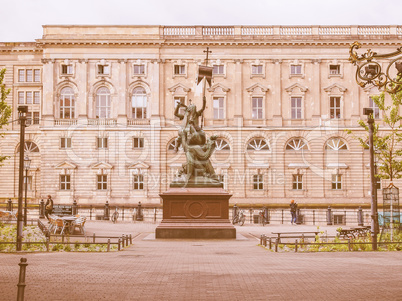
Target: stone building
x=101 y=101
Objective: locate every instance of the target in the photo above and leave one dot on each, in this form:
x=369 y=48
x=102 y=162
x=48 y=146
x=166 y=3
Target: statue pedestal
x=195 y=213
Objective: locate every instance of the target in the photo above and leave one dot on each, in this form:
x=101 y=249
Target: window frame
x=140 y=144
x=257 y=109
x=297 y=182
x=65 y=142
x=180 y=68
x=296 y=110
x=101 y=182
x=376 y=109
x=333 y=109
x=258 y=182
x=336 y=182
x=138 y=182
x=220 y=110
x=220 y=68
x=105 y=108
x=294 y=68
x=102 y=142
x=64 y=182
x=70 y=97
x=139 y=112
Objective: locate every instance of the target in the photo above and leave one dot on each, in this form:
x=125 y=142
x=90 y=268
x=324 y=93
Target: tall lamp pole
x=27 y=164
x=22 y=110
x=374 y=213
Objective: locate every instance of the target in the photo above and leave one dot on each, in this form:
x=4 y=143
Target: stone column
x=316 y=93
x=122 y=92
x=48 y=101
x=81 y=103
x=277 y=94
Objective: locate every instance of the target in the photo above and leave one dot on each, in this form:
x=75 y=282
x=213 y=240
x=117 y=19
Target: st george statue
x=198 y=170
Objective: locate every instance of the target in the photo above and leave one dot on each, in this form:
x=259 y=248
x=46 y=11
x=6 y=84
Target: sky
x=22 y=20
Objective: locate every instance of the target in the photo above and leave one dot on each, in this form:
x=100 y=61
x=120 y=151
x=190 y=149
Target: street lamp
x=27 y=164
x=374 y=214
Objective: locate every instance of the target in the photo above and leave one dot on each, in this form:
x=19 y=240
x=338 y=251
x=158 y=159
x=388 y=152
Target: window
x=376 y=109
x=103 y=103
x=101 y=142
x=29 y=118
x=36 y=99
x=218 y=69
x=138 y=142
x=67 y=103
x=179 y=69
x=28 y=75
x=256 y=69
x=297 y=182
x=21 y=75
x=334 y=69
x=29 y=97
x=258 y=144
x=21 y=97
x=218 y=108
x=336 y=144
x=66 y=69
x=138 y=182
x=335 y=107
x=65 y=182
x=256 y=108
x=35 y=117
x=296 y=144
x=102 y=182
x=222 y=144
x=258 y=182
x=103 y=69
x=295 y=69
x=296 y=107
x=139 y=103
x=139 y=69
x=181 y=100
x=65 y=142
x=336 y=182
x=28 y=183
x=29 y=147
x=37 y=75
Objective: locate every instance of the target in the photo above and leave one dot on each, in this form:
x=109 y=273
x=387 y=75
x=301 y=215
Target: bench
x=296 y=234
x=354 y=232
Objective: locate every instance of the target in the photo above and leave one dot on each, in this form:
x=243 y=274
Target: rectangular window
x=67 y=69
x=139 y=69
x=138 y=142
x=256 y=108
x=181 y=100
x=334 y=69
x=179 y=69
x=103 y=69
x=102 y=142
x=295 y=69
x=102 y=182
x=297 y=182
x=29 y=77
x=218 y=69
x=36 y=99
x=29 y=118
x=336 y=182
x=256 y=69
x=28 y=183
x=296 y=107
x=29 y=97
x=335 y=107
x=138 y=182
x=36 y=75
x=258 y=182
x=376 y=109
x=65 y=182
x=65 y=142
x=35 y=117
x=21 y=75
x=21 y=98
x=218 y=108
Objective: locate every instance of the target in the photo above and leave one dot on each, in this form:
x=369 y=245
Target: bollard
x=21 y=283
x=93 y=237
x=298 y=217
x=276 y=245
x=265 y=241
x=126 y=240
x=282 y=217
x=42 y=209
x=270 y=243
x=313 y=217
x=349 y=246
x=131 y=240
x=10 y=205
x=140 y=216
x=122 y=240
x=90 y=212
x=329 y=216
x=108 y=244
x=155 y=215
x=106 y=211
x=296 y=245
x=118 y=245
x=47 y=244
x=261 y=238
x=360 y=220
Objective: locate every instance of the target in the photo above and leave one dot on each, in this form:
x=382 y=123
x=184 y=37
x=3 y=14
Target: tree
x=5 y=109
x=388 y=143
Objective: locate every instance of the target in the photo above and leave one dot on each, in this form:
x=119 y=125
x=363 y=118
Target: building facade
x=101 y=101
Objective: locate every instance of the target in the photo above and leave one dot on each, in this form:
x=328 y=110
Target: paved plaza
x=239 y=269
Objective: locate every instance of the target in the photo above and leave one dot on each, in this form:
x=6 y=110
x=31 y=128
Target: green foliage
x=5 y=109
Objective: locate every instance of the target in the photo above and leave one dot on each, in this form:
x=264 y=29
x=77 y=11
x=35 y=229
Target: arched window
x=222 y=144
x=336 y=144
x=139 y=103
x=102 y=103
x=67 y=103
x=30 y=147
x=296 y=144
x=258 y=144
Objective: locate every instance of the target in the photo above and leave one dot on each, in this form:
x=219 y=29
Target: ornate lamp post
x=27 y=164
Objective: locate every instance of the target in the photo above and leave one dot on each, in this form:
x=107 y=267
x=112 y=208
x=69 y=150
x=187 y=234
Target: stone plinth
x=195 y=213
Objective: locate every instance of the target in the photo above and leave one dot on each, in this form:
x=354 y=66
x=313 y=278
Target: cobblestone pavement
x=202 y=270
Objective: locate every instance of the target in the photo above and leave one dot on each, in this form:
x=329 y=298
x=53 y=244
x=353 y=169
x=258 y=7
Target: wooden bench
x=296 y=234
x=354 y=232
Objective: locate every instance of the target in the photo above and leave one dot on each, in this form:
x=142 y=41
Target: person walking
x=48 y=206
x=293 y=210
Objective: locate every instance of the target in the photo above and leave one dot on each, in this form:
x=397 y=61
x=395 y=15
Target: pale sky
x=22 y=20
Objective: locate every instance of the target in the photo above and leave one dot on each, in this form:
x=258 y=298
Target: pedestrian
x=293 y=209
x=48 y=206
